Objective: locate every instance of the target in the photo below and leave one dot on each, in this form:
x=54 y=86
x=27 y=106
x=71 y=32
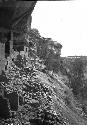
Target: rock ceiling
x=12 y=12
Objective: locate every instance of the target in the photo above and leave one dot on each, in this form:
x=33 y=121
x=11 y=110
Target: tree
x=77 y=75
x=45 y=48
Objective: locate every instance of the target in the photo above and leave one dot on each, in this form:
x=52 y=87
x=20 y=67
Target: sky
x=64 y=22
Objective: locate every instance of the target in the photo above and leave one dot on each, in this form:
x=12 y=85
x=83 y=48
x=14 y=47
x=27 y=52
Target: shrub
x=77 y=75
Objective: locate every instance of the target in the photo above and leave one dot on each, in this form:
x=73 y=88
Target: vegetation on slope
x=45 y=99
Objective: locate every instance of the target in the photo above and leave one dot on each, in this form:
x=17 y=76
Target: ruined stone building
x=15 y=20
